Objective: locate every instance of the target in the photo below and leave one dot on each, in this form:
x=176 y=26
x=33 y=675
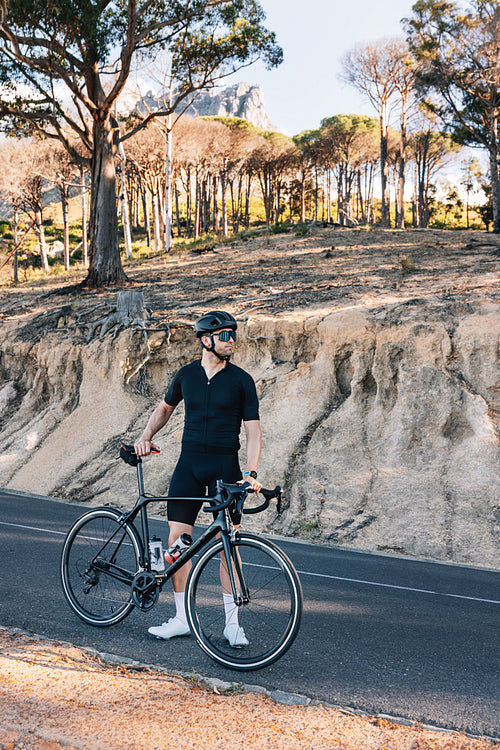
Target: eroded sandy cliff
x=381 y=422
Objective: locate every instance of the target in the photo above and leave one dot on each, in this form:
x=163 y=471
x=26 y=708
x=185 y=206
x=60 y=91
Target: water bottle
x=156 y=554
x=177 y=548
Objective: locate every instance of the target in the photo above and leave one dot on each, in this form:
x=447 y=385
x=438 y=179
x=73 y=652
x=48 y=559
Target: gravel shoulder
x=58 y=697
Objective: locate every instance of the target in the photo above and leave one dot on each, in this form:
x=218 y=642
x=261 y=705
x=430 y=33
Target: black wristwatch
x=252 y=474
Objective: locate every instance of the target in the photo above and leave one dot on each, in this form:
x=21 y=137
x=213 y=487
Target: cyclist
x=218 y=396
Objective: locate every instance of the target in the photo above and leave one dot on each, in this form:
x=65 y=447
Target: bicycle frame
x=218 y=526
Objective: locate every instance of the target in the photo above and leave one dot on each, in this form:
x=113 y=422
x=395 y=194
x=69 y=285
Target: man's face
x=223 y=348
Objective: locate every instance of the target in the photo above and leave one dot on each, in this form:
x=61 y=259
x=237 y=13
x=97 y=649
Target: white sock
x=180 y=612
x=230 y=609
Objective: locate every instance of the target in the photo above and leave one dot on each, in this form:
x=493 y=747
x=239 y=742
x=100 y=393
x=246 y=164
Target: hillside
x=376 y=358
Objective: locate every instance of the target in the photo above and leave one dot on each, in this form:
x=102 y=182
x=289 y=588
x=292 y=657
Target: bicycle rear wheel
x=271 y=607
x=99 y=560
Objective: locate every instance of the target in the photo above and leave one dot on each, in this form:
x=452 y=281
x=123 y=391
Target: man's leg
x=230 y=469
x=181 y=518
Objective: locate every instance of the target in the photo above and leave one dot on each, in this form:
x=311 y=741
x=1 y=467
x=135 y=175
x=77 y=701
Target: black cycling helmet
x=214 y=321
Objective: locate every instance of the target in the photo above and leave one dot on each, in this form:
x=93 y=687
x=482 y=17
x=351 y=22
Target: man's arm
x=253 y=447
x=157 y=420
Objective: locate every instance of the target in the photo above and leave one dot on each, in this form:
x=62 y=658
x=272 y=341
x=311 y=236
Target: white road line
x=394 y=586
x=316 y=575
x=32 y=528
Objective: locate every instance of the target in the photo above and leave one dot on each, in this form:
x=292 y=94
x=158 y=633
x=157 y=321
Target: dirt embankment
x=376 y=355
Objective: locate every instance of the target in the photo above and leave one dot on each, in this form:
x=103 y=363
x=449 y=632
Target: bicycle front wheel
x=269 y=609
x=99 y=560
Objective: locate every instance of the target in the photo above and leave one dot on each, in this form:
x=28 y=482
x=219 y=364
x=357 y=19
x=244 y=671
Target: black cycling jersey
x=214 y=409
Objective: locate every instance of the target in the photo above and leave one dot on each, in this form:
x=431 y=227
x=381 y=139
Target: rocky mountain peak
x=239 y=100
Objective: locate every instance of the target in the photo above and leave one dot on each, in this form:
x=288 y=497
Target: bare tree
x=24 y=167
x=373 y=69
x=429 y=149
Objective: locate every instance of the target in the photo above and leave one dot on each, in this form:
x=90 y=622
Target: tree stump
x=129 y=310
x=129 y=307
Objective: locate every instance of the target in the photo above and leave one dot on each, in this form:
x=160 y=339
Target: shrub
x=279 y=228
x=407 y=265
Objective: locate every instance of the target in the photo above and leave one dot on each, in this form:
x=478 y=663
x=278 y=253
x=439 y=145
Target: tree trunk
x=156 y=217
x=247 y=201
x=495 y=176
x=384 y=129
x=168 y=181
x=215 y=190
x=197 y=207
x=64 y=193
x=340 y=197
x=329 y=196
x=224 y=209
x=303 y=199
x=83 y=188
x=105 y=262
x=145 y=211
x=316 y=190
x=41 y=240
x=127 y=234
x=361 y=200
x=400 y=201
x=15 y=225
x=177 y=214
x=130 y=306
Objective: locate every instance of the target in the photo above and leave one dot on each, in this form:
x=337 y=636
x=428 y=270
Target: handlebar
x=232 y=490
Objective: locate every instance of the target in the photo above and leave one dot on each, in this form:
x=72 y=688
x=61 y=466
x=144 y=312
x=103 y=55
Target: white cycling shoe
x=170 y=629
x=235 y=635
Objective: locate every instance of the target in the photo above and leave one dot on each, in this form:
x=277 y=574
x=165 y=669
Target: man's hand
x=144 y=447
x=254 y=484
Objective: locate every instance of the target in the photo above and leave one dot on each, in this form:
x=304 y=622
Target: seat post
x=140 y=480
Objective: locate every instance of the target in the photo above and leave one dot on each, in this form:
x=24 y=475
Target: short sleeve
x=174 y=394
x=250 y=400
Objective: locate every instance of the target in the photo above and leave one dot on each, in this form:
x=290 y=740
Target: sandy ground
x=278 y=275
x=55 y=696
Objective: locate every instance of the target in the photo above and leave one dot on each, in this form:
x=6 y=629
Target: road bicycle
x=106 y=572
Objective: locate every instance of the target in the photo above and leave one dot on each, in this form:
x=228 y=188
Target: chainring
x=145 y=590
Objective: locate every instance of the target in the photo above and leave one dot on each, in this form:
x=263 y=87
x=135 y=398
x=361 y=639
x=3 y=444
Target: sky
x=314 y=34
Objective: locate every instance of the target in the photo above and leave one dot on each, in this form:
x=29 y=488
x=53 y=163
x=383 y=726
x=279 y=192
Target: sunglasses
x=226 y=335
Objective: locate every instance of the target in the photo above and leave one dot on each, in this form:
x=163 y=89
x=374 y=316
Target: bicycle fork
x=239 y=588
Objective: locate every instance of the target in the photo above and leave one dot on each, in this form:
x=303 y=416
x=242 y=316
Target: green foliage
x=235 y=123
x=456 y=49
x=88 y=49
x=407 y=265
x=280 y=228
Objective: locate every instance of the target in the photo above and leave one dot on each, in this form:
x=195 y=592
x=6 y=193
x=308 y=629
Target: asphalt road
x=409 y=638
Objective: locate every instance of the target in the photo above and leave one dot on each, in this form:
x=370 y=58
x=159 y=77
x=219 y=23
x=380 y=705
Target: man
x=218 y=396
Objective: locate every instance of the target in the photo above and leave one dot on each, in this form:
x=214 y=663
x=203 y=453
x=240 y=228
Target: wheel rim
x=271 y=617
x=96 y=597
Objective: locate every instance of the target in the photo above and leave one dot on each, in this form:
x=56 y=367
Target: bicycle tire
x=270 y=619
x=100 y=598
